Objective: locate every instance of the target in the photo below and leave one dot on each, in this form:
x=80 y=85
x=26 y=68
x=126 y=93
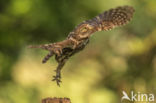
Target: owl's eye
x=84 y=29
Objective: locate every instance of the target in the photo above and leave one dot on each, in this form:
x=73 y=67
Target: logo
x=138 y=97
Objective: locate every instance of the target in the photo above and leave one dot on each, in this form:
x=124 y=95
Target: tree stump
x=56 y=100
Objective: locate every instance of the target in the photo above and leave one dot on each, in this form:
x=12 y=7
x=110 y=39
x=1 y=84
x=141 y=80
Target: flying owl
x=79 y=37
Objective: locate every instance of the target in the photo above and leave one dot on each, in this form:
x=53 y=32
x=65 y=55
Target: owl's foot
x=57 y=77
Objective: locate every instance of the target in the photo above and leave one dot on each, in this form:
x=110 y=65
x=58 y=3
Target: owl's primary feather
x=79 y=37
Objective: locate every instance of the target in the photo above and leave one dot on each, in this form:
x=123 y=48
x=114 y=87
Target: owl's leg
x=46 y=58
x=57 y=77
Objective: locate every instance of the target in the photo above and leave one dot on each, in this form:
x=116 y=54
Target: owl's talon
x=57 y=79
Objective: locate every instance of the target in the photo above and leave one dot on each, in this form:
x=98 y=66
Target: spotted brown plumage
x=79 y=37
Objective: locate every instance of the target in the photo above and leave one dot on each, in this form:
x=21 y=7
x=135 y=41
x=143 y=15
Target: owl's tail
x=45 y=46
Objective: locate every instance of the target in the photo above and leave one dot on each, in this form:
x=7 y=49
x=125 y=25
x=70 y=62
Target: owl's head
x=84 y=30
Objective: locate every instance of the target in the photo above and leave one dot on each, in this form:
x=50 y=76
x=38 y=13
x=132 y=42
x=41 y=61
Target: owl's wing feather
x=114 y=17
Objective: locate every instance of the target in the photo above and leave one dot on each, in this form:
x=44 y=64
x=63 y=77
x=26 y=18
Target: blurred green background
x=121 y=59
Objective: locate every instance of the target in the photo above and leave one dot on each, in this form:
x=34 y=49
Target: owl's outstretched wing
x=112 y=18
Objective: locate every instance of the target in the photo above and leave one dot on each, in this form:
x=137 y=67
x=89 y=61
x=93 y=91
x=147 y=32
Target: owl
x=79 y=37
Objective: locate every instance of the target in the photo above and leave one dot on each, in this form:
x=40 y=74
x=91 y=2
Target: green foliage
x=121 y=59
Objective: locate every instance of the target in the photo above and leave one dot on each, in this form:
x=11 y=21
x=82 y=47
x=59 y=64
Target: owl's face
x=84 y=30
